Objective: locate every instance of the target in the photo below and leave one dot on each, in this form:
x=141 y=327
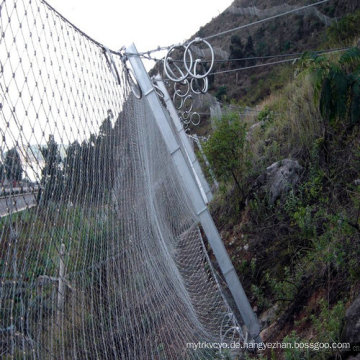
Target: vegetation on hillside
x=88 y=235
x=299 y=259
x=294 y=33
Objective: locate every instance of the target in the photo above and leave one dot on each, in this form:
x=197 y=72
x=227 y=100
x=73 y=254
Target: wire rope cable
x=265 y=20
x=292 y=60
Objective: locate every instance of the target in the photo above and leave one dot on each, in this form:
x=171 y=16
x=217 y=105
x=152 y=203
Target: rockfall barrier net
x=101 y=256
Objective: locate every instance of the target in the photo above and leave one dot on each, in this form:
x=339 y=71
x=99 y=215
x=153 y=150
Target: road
x=18 y=189
x=16 y=203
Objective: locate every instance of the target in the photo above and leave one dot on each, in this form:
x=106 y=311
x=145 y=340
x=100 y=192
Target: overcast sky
x=113 y=23
x=147 y=23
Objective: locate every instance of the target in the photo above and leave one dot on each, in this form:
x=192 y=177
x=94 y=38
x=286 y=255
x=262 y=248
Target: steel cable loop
x=199 y=90
x=228 y=325
x=187 y=130
x=197 y=122
x=182 y=75
x=189 y=75
x=185 y=117
x=178 y=107
x=168 y=60
x=178 y=91
x=158 y=91
x=188 y=100
x=194 y=64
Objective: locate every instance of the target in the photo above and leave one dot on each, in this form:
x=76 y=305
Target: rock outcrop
x=279 y=178
x=351 y=331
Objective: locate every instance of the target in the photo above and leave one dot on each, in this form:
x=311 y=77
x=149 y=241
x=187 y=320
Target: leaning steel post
x=206 y=161
x=200 y=208
x=184 y=139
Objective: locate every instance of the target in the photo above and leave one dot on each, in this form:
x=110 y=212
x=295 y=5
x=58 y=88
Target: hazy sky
x=147 y=23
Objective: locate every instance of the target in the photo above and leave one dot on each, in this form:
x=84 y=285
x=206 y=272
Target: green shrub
x=345 y=30
x=221 y=92
x=327 y=326
x=336 y=87
x=294 y=353
x=266 y=115
x=226 y=150
x=262 y=301
x=286 y=287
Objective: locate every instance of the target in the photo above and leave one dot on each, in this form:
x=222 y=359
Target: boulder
x=351 y=331
x=279 y=178
x=268 y=316
x=357 y=357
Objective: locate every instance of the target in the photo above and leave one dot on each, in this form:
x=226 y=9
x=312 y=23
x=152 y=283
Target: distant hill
x=289 y=34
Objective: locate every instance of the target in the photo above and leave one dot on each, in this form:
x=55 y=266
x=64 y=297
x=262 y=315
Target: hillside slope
x=289 y=34
x=297 y=251
x=288 y=205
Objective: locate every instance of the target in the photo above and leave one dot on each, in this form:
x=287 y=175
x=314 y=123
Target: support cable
x=293 y=60
x=266 y=19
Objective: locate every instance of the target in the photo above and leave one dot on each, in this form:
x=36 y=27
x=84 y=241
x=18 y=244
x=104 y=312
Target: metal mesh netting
x=100 y=253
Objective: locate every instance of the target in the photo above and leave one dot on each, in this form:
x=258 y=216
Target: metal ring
x=184 y=82
x=192 y=63
x=181 y=101
x=196 y=63
x=188 y=98
x=182 y=75
x=204 y=88
x=192 y=116
x=167 y=68
x=186 y=121
x=158 y=91
x=185 y=116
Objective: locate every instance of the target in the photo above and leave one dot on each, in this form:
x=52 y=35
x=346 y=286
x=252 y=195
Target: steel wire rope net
x=101 y=256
